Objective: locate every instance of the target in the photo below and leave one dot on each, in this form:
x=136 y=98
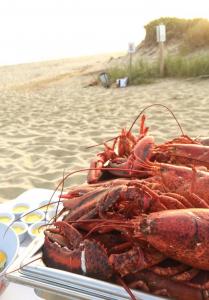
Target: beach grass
x=178 y=66
x=140 y=72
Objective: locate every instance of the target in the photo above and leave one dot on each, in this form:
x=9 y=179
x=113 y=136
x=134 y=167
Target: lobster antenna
x=60 y=196
x=157 y=104
x=195 y=159
x=101 y=144
x=125 y=286
x=139 y=115
x=58 y=202
x=37 y=258
x=100 y=223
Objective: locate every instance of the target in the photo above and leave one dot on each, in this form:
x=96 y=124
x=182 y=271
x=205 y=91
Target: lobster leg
x=185 y=276
x=134 y=260
x=198 y=202
x=169 y=270
x=95 y=172
x=126 y=142
x=181 y=199
x=169 y=202
x=163 y=286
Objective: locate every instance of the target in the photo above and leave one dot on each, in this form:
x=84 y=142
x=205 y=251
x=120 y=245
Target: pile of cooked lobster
x=142 y=218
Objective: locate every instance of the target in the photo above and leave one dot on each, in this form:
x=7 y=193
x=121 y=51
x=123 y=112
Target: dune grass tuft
x=175 y=66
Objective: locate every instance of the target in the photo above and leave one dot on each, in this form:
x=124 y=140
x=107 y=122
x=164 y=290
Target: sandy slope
x=48 y=116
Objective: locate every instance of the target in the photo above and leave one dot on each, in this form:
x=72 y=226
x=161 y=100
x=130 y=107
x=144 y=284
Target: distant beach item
x=104 y=79
x=122 y=82
x=92 y=83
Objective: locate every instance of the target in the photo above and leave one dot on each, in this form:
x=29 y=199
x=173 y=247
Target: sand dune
x=48 y=116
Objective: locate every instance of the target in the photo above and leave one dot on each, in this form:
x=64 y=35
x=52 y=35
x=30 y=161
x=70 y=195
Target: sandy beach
x=49 y=115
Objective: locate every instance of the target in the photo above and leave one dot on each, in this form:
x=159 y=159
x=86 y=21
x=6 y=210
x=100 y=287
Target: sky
x=38 y=30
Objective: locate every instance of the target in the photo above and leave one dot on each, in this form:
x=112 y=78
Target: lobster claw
x=95 y=172
x=86 y=257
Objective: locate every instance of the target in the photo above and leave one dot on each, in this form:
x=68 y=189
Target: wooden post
x=130 y=67
x=131 y=50
x=162 y=58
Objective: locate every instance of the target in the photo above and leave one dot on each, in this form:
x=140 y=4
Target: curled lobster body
x=141 y=152
x=119 y=198
x=186 y=154
x=122 y=148
x=182 y=151
x=183 y=180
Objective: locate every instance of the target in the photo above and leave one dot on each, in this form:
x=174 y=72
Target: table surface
x=22 y=291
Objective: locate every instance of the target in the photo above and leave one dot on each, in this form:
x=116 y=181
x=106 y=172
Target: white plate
x=9 y=243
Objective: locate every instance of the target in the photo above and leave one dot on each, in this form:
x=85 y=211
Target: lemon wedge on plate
x=3 y=260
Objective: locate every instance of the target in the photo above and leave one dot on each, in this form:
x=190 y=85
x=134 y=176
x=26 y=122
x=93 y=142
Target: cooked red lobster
x=141 y=220
x=133 y=246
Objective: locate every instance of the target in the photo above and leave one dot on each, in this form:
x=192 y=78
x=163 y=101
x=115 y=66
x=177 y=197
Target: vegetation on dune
x=175 y=66
x=141 y=72
x=193 y=33
x=180 y=66
x=193 y=37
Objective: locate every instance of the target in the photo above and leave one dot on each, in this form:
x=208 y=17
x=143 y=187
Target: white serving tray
x=63 y=283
